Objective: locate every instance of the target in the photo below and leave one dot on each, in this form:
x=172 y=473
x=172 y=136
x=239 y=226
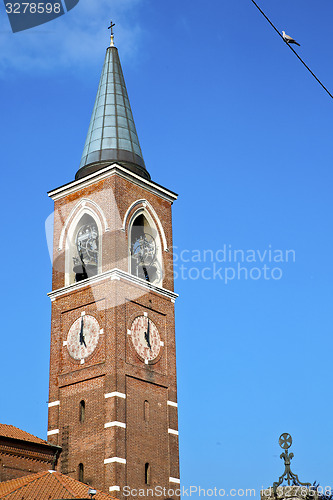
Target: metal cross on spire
x=111 y=28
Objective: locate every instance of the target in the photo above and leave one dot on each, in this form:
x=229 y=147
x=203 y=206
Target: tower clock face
x=82 y=337
x=145 y=338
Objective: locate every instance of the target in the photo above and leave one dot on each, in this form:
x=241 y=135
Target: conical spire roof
x=112 y=135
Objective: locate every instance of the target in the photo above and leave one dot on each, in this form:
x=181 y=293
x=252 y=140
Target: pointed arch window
x=145 y=250
x=86 y=243
x=83 y=250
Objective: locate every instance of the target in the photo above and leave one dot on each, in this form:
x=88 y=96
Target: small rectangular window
x=146 y=411
x=147 y=473
x=82 y=411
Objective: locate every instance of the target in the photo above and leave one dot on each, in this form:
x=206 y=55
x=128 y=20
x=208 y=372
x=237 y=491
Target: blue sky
x=231 y=120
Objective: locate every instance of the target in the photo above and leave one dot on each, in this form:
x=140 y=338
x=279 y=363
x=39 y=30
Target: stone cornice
x=106 y=172
x=32 y=454
x=113 y=274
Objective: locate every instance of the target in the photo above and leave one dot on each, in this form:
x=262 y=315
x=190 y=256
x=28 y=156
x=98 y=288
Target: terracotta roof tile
x=47 y=485
x=16 y=433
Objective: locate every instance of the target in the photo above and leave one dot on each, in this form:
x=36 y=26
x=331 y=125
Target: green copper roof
x=112 y=135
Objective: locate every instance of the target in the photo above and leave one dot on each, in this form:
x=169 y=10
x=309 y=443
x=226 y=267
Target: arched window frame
x=150 y=220
x=70 y=247
x=136 y=205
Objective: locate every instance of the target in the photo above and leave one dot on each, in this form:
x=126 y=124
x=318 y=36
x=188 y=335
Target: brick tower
x=113 y=393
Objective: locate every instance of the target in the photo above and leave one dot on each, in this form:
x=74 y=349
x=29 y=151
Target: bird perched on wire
x=288 y=39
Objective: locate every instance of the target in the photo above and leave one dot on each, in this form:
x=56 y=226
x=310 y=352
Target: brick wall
x=20 y=458
x=114 y=443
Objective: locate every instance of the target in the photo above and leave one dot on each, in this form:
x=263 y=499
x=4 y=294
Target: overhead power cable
x=307 y=67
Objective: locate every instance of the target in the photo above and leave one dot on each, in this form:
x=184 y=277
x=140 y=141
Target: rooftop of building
x=47 y=485
x=9 y=431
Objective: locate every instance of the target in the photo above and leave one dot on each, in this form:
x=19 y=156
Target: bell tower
x=113 y=387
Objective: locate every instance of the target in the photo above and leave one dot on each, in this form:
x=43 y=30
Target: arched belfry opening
x=84 y=249
x=145 y=250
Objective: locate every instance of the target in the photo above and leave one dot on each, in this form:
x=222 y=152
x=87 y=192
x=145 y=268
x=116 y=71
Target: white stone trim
x=83 y=313
x=80 y=284
x=115 y=394
x=54 y=403
x=174 y=480
x=145 y=314
x=115 y=459
x=51 y=433
x=101 y=331
x=146 y=205
x=107 y=275
x=64 y=343
x=146 y=361
x=79 y=206
x=146 y=284
x=173 y=431
x=114 y=488
x=82 y=362
x=106 y=172
x=171 y=403
x=114 y=424
x=129 y=332
x=161 y=343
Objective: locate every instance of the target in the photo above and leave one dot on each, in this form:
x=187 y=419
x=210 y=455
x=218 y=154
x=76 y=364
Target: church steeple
x=113 y=381
x=112 y=136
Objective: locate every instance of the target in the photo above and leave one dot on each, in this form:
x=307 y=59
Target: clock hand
x=82 y=341
x=147 y=335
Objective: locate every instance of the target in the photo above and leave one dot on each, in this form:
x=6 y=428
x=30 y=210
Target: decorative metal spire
x=285 y=441
x=111 y=28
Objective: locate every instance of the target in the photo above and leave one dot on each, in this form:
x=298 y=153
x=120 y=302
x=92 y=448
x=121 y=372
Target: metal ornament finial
x=285 y=441
x=111 y=28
